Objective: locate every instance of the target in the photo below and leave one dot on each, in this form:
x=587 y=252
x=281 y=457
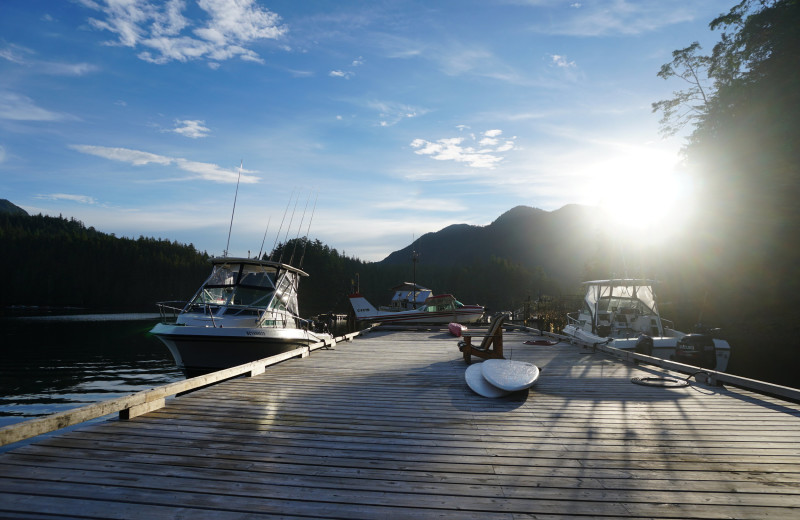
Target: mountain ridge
x=561 y=241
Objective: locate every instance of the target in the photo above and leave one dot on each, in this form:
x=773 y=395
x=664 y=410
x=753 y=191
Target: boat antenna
x=299 y=229
x=414 y=260
x=286 y=238
x=230 y=228
x=313 y=210
x=278 y=234
x=264 y=239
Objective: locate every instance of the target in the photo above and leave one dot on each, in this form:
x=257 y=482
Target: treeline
x=741 y=102
x=59 y=262
x=495 y=283
x=53 y=261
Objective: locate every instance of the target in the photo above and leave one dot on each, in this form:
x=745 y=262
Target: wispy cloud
x=617 y=17
x=25 y=57
x=340 y=74
x=463 y=149
x=200 y=170
x=191 y=128
x=165 y=34
x=80 y=199
x=391 y=113
x=16 y=107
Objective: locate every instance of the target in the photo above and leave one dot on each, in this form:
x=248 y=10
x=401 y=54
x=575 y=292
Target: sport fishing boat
x=623 y=313
x=246 y=310
x=413 y=304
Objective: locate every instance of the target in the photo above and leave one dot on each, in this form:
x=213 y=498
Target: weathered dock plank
x=385 y=426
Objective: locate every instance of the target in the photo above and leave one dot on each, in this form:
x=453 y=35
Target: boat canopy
x=244 y=283
x=222 y=260
x=409 y=293
x=616 y=295
x=442 y=302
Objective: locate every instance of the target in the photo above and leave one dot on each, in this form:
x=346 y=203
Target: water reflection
x=55 y=363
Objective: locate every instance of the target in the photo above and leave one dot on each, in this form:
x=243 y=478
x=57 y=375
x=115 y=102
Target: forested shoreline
x=59 y=262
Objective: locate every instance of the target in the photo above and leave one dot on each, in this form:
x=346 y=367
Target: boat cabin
x=442 y=302
x=248 y=288
x=620 y=308
x=407 y=296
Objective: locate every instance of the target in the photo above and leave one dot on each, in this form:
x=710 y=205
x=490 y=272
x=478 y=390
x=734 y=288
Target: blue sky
x=396 y=118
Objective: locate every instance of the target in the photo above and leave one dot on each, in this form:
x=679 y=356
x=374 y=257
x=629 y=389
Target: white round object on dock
x=480 y=385
x=509 y=375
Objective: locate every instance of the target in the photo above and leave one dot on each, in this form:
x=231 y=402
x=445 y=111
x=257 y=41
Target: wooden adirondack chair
x=492 y=344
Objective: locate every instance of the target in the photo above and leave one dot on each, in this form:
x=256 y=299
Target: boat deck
x=385 y=427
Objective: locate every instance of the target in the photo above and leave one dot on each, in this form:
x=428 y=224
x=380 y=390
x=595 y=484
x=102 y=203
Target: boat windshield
x=239 y=285
x=617 y=298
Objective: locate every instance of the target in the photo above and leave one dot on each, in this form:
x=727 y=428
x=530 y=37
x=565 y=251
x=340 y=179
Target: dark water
x=54 y=363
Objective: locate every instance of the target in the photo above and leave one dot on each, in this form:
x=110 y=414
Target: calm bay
x=55 y=363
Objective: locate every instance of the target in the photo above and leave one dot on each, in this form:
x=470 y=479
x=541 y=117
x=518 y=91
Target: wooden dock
x=384 y=427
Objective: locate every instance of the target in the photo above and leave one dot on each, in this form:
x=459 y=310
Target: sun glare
x=642 y=191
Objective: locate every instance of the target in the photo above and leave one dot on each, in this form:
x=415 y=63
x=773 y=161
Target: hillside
x=8 y=208
x=561 y=242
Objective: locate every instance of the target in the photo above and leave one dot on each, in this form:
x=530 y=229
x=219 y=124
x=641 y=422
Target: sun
x=641 y=190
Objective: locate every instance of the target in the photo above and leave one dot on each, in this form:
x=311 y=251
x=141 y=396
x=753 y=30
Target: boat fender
x=644 y=345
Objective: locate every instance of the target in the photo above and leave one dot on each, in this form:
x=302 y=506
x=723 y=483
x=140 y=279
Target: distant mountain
x=561 y=242
x=8 y=208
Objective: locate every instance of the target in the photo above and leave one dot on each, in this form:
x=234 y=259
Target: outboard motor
x=697 y=350
x=644 y=345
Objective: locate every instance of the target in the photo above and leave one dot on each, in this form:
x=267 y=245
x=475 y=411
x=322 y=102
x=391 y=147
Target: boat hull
x=663 y=347
x=204 y=349
x=413 y=317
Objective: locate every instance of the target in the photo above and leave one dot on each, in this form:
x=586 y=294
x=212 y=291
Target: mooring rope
x=666 y=382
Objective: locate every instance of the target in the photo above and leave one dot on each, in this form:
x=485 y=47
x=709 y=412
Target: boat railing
x=573 y=320
x=169 y=310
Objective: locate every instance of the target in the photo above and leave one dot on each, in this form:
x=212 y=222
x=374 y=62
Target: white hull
x=424 y=317
x=209 y=348
x=663 y=347
x=440 y=309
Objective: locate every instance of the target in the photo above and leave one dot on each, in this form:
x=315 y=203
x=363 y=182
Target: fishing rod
x=236 y=196
x=313 y=210
x=299 y=229
x=264 y=239
x=278 y=234
x=285 y=239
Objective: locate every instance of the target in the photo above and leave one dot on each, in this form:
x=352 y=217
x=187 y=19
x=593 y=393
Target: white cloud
x=455 y=149
x=22 y=108
x=200 y=170
x=165 y=34
x=340 y=74
x=561 y=61
x=80 y=199
x=191 y=128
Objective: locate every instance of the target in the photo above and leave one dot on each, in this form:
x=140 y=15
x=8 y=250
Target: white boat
x=407 y=296
x=623 y=313
x=246 y=310
x=413 y=303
